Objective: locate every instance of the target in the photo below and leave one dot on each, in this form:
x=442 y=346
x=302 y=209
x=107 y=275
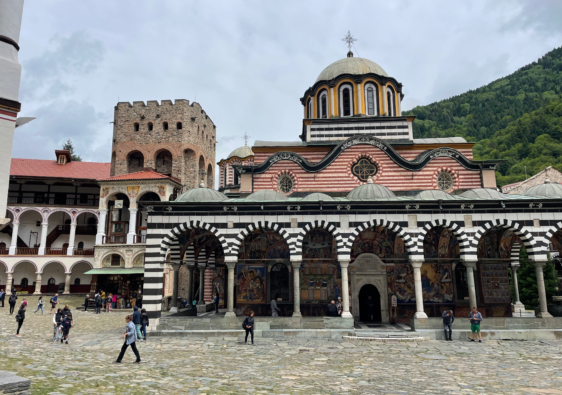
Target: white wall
x=78 y=272
x=3 y=277
x=27 y=225
x=55 y=270
x=24 y=269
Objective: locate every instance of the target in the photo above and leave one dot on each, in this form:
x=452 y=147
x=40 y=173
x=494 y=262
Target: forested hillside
x=517 y=118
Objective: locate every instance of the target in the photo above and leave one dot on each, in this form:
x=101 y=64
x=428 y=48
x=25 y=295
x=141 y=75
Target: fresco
x=441 y=243
x=318 y=244
x=219 y=282
x=380 y=241
x=556 y=241
x=496 y=244
x=437 y=283
x=495 y=283
x=319 y=282
x=251 y=281
x=260 y=245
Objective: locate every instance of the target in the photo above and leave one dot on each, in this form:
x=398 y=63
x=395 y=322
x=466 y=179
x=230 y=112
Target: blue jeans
x=143 y=330
x=137 y=327
x=39 y=307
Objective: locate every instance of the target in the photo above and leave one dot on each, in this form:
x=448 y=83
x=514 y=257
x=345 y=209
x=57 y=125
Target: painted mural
x=496 y=243
x=219 y=283
x=437 y=283
x=495 y=283
x=441 y=243
x=262 y=245
x=251 y=284
x=318 y=245
x=556 y=241
x=319 y=282
x=380 y=241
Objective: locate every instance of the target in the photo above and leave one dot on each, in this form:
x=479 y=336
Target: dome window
x=285 y=184
x=323 y=105
x=390 y=104
x=150 y=126
x=364 y=169
x=346 y=101
x=309 y=109
x=371 y=95
x=444 y=181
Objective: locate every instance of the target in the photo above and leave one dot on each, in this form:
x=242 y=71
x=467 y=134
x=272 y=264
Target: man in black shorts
x=54 y=301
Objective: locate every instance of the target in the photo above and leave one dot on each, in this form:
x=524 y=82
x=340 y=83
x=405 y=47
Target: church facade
x=356 y=208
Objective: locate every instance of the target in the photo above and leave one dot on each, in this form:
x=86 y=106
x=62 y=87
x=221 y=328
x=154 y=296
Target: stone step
x=334 y=334
x=387 y=338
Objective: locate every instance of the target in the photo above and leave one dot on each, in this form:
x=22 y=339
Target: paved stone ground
x=222 y=366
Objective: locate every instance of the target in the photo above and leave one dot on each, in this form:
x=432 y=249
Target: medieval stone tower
x=176 y=139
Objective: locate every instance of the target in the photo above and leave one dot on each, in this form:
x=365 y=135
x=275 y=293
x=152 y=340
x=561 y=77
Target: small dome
x=201 y=195
x=485 y=193
x=351 y=65
x=316 y=197
x=266 y=195
x=548 y=189
x=371 y=191
x=433 y=194
x=241 y=152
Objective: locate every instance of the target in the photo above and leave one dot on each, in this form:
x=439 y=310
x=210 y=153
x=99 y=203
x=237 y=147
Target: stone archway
x=368 y=269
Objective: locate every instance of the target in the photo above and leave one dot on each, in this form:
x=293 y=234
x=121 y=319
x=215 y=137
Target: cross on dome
x=246 y=138
x=349 y=40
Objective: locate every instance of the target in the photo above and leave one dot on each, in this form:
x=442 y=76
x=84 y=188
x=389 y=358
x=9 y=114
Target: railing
x=57 y=199
x=114 y=239
x=80 y=229
x=4 y=251
x=27 y=250
x=138 y=239
x=84 y=252
x=55 y=251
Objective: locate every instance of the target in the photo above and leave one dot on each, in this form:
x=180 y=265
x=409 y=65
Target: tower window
x=165 y=125
x=390 y=104
x=150 y=126
x=371 y=93
x=346 y=101
x=179 y=125
x=309 y=109
x=324 y=105
x=136 y=126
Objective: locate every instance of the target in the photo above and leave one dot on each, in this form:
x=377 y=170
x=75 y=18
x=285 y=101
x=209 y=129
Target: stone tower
x=176 y=139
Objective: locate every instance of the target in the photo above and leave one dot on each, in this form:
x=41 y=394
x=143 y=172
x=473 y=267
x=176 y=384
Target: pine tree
x=68 y=146
x=527 y=280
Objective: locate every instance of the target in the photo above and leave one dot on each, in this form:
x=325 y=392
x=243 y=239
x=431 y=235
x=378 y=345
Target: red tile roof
x=145 y=174
x=51 y=169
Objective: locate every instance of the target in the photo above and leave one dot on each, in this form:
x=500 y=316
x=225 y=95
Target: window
x=236 y=178
x=51 y=281
x=285 y=184
x=115 y=260
x=136 y=126
x=62 y=159
x=80 y=246
x=309 y=109
x=165 y=125
x=390 y=104
x=225 y=176
x=324 y=105
x=24 y=282
x=364 y=169
x=179 y=125
x=150 y=126
x=445 y=181
x=346 y=101
x=371 y=99
x=76 y=281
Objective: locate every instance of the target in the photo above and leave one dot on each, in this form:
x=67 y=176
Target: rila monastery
x=351 y=206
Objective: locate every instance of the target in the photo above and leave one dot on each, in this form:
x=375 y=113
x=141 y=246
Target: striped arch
x=515 y=249
x=552 y=230
x=341 y=248
x=172 y=236
x=265 y=225
x=462 y=237
x=532 y=246
x=409 y=243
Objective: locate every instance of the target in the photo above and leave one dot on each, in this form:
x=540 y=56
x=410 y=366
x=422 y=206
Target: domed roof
x=371 y=191
x=316 y=197
x=266 y=195
x=433 y=194
x=485 y=193
x=351 y=65
x=548 y=189
x=201 y=194
x=241 y=152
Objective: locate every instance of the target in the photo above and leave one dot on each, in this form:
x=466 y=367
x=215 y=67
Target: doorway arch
x=370 y=309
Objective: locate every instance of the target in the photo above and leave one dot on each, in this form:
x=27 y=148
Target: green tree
x=68 y=146
x=527 y=280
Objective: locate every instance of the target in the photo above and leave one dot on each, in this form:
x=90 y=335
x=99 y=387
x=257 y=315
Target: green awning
x=109 y=270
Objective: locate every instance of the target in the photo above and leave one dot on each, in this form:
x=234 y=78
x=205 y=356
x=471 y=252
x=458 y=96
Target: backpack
x=12 y=299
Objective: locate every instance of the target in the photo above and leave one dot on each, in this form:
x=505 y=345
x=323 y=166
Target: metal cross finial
x=246 y=137
x=349 y=40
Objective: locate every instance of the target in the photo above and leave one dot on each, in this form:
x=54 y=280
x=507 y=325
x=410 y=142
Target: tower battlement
x=193 y=107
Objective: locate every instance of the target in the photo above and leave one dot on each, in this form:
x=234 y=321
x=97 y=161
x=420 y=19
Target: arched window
x=179 y=125
x=390 y=104
x=76 y=281
x=461 y=281
x=225 y=175
x=135 y=162
x=371 y=99
x=51 y=281
x=136 y=126
x=150 y=126
x=323 y=105
x=24 y=282
x=346 y=101
x=80 y=246
x=164 y=162
x=309 y=109
x=165 y=125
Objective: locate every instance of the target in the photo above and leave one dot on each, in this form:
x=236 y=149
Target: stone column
x=345 y=290
x=67 y=284
x=71 y=239
x=101 y=226
x=201 y=285
x=518 y=307
x=9 y=278
x=132 y=225
x=230 y=296
x=190 y=286
x=37 y=284
x=296 y=289
x=420 y=313
x=43 y=245
x=14 y=244
x=470 y=266
x=542 y=291
x=176 y=279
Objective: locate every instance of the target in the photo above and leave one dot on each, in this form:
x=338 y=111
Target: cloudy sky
x=249 y=62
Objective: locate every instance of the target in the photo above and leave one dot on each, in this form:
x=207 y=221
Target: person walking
x=12 y=302
x=54 y=301
x=66 y=311
x=139 y=299
x=102 y=295
x=108 y=303
x=130 y=338
x=332 y=309
x=86 y=302
x=134 y=299
x=144 y=322
x=2 y=296
x=274 y=309
x=216 y=303
x=39 y=305
x=114 y=301
x=137 y=322
x=20 y=318
x=475 y=319
x=57 y=321
x=66 y=325
x=98 y=303
x=448 y=319
x=248 y=326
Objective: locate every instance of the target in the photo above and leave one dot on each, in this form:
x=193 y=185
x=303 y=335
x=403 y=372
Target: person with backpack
x=448 y=319
x=40 y=305
x=57 y=321
x=137 y=322
x=66 y=311
x=66 y=325
x=144 y=322
x=12 y=302
x=54 y=301
x=98 y=304
x=248 y=326
x=108 y=303
x=86 y=302
x=2 y=296
x=130 y=338
x=20 y=318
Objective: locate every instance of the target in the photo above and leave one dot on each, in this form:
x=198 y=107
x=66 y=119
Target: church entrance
x=369 y=304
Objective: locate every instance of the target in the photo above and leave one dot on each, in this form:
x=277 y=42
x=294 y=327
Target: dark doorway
x=364 y=310
x=279 y=277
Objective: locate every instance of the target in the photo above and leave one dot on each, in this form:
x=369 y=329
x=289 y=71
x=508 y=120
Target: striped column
x=154 y=275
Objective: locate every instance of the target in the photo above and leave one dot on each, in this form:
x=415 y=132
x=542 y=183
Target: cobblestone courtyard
x=217 y=366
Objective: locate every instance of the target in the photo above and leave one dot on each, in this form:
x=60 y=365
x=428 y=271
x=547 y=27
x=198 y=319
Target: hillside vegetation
x=517 y=118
